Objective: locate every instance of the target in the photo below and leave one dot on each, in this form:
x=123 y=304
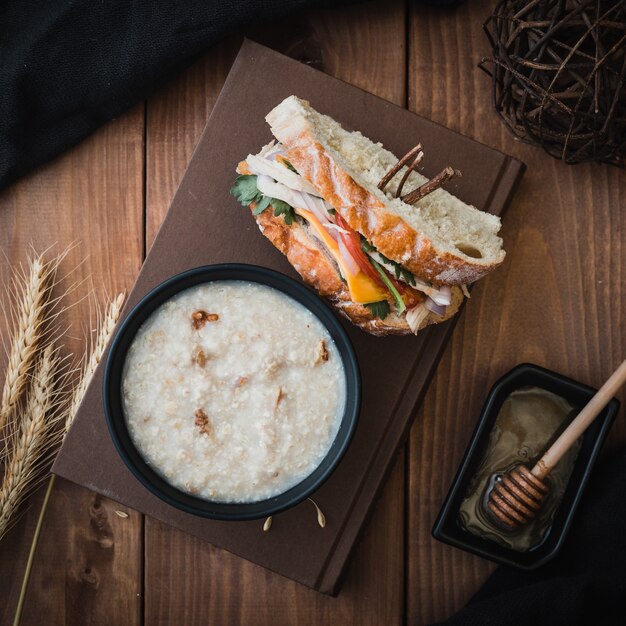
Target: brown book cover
x=206 y=225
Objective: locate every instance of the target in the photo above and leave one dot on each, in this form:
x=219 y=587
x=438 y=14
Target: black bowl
x=113 y=401
x=448 y=528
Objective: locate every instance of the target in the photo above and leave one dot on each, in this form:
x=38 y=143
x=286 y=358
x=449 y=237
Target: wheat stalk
x=35 y=438
x=105 y=330
x=32 y=293
x=90 y=362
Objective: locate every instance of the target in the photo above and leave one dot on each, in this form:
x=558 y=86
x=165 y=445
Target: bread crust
x=364 y=212
x=306 y=255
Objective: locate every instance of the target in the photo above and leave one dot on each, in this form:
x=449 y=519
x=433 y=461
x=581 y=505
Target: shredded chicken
x=280 y=173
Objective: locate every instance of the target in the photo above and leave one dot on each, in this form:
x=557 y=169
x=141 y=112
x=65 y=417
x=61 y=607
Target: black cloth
x=68 y=66
x=584 y=585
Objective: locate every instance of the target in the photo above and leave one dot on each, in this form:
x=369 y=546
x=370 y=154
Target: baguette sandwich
x=335 y=204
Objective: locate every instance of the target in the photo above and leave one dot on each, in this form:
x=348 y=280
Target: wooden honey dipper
x=517 y=497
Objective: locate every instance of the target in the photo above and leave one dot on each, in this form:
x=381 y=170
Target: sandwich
x=392 y=250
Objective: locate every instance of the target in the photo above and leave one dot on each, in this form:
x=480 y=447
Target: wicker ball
x=559 y=75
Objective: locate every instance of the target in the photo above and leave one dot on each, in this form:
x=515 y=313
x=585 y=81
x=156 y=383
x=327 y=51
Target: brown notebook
x=206 y=225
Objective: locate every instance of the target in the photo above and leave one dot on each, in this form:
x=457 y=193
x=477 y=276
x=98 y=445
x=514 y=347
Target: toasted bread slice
x=440 y=239
x=317 y=268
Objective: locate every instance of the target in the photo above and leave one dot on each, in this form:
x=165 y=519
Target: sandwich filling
x=267 y=180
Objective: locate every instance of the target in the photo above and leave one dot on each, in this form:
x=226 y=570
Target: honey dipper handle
x=578 y=426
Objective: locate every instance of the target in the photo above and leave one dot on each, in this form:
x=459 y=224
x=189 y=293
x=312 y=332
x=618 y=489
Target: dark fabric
x=66 y=67
x=584 y=585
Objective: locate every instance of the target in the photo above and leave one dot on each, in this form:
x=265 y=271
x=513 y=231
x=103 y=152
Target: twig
x=428 y=187
x=410 y=168
x=559 y=75
x=411 y=154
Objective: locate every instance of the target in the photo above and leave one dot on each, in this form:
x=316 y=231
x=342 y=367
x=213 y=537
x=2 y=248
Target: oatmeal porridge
x=233 y=391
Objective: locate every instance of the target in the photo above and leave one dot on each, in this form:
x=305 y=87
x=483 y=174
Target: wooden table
x=559 y=301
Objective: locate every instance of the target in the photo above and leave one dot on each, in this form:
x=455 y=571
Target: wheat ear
x=90 y=362
x=29 y=320
x=35 y=438
x=105 y=330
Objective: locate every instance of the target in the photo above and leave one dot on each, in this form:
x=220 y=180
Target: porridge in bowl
x=233 y=391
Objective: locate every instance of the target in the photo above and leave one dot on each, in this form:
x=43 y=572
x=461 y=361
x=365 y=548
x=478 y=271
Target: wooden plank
x=88 y=565
x=189 y=581
x=556 y=301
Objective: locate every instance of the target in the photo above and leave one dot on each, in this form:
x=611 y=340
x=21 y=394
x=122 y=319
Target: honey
x=530 y=419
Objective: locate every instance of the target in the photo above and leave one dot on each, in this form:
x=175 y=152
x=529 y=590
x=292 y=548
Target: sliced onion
x=433 y=307
x=351 y=264
x=416 y=316
x=334 y=230
x=442 y=297
x=272 y=151
x=317 y=207
x=465 y=291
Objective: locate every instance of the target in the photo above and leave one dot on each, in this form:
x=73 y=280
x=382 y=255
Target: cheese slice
x=362 y=288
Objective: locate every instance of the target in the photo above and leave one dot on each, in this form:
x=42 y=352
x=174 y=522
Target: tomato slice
x=352 y=241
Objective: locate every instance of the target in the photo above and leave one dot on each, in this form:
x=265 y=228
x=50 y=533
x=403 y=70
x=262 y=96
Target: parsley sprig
x=379 y=309
x=246 y=191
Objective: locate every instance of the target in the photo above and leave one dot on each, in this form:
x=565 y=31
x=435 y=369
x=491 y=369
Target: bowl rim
x=116 y=423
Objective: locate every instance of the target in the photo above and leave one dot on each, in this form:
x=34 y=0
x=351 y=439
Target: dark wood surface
x=558 y=301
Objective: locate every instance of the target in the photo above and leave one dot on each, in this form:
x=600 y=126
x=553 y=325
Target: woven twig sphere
x=558 y=70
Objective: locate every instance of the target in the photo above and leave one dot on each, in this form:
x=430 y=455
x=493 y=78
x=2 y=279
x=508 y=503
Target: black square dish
x=448 y=527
